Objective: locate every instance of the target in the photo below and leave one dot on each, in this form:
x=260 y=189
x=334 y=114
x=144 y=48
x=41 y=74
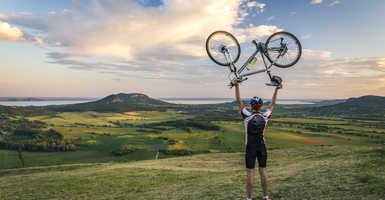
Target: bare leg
x=249 y=182
x=262 y=173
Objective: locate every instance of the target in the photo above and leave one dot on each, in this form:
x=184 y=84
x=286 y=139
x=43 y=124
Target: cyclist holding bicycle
x=255 y=124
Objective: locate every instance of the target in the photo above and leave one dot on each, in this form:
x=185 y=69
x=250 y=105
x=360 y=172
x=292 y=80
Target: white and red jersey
x=255 y=124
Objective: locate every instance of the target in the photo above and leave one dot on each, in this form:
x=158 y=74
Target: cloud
x=176 y=30
x=253 y=32
x=381 y=64
x=307 y=36
x=131 y=31
x=3 y=17
x=7 y=32
x=128 y=38
x=316 y=1
x=317 y=76
x=335 y=2
x=316 y=54
x=255 y=4
x=29 y=21
x=252 y=4
x=25 y=13
x=271 y=18
x=358 y=66
x=293 y=13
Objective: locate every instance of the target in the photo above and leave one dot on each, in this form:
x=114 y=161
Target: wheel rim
x=285 y=54
x=220 y=42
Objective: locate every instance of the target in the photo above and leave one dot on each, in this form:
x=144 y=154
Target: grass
x=101 y=119
x=34 y=159
x=321 y=172
x=341 y=160
x=99 y=136
x=309 y=120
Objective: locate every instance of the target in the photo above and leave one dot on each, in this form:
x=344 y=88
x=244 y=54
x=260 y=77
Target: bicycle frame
x=239 y=75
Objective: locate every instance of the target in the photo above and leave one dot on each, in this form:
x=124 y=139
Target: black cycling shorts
x=253 y=153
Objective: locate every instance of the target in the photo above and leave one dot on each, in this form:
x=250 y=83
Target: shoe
x=267 y=198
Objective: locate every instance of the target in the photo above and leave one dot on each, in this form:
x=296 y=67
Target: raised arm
x=274 y=99
x=238 y=96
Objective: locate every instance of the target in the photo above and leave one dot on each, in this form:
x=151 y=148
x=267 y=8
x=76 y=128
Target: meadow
x=320 y=172
x=175 y=154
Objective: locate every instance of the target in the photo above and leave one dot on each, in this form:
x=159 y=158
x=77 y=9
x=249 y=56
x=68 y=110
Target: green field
x=328 y=172
x=198 y=158
x=98 y=134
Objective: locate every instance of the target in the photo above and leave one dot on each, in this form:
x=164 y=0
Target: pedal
x=275 y=81
x=271 y=84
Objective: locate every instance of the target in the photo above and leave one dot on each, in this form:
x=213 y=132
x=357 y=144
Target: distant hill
x=330 y=102
x=136 y=98
x=362 y=106
x=116 y=103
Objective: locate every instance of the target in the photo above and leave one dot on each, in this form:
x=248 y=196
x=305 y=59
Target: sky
x=94 y=48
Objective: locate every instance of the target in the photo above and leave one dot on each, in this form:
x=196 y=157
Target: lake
x=224 y=100
x=40 y=103
x=176 y=101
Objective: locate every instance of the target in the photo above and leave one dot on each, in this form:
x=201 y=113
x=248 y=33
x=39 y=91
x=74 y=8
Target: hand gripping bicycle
x=282 y=49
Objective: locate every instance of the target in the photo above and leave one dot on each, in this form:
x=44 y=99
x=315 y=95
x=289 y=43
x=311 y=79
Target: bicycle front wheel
x=283 y=49
x=223 y=48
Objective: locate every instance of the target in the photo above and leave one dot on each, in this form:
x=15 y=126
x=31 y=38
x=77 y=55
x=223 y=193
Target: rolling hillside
x=371 y=106
x=312 y=157
x=325 y=172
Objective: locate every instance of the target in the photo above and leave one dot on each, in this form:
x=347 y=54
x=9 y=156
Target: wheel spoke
x=219 y=42
x=287 y=56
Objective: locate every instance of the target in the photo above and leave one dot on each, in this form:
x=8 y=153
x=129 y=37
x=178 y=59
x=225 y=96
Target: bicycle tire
x=210 y=53
x=270 y=57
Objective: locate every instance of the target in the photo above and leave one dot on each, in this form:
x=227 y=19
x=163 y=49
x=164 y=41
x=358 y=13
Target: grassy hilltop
x=329 y=172
x=107 y=149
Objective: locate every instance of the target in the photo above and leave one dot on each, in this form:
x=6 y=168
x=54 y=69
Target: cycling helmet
x=256 y=103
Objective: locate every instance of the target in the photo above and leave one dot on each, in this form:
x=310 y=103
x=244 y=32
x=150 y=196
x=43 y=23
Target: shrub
x=177 y=152
x=124 y=150
x=37 y=140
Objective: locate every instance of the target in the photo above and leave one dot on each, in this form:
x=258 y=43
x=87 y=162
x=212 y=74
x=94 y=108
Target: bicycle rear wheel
x=283 y=49
x=220 y=42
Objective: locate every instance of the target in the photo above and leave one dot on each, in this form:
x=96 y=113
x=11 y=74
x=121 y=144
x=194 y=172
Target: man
x=255 y=124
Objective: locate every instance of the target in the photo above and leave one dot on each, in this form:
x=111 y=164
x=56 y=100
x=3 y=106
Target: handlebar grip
x=270 y=84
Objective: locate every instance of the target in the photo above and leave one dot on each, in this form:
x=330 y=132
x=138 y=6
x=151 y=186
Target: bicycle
x=282 y=49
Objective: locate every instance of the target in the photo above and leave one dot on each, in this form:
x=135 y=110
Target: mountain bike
x=282 y=49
